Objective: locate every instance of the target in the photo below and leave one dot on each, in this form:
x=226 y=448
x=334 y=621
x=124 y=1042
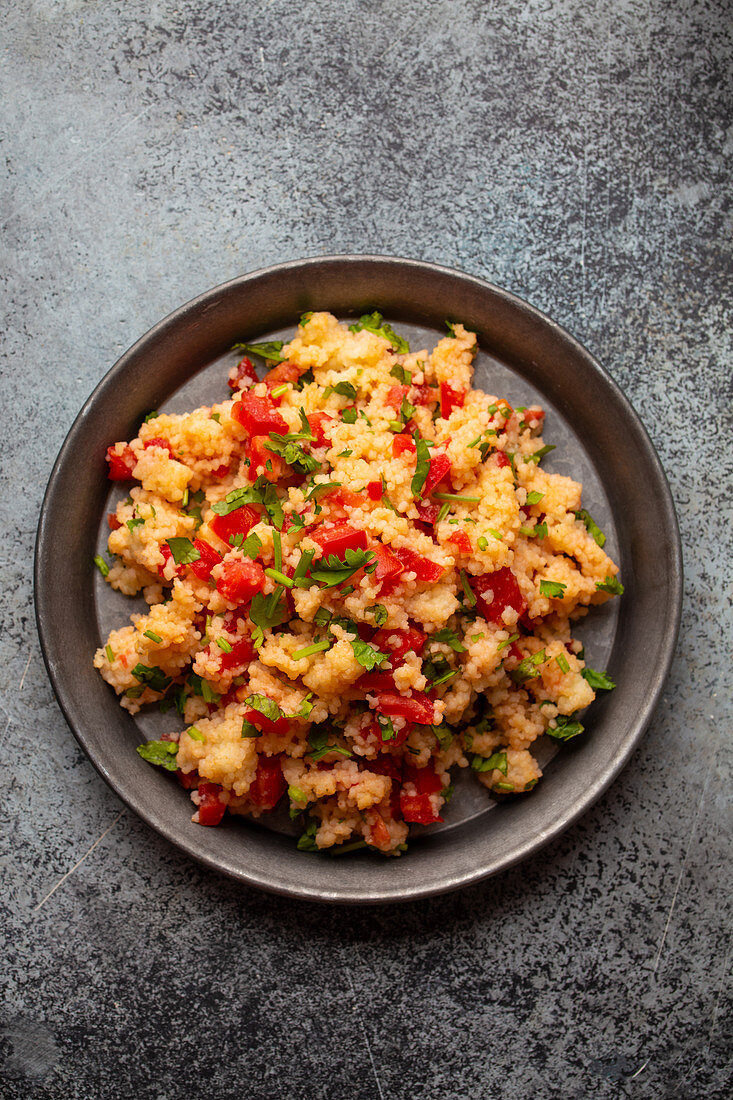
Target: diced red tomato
x=450 y=399
x=158 y=441
x=399 y=738
x=375 y=682
x=283 y=372
x=278 y=726
x=418 y=710
x=423 y=568
x=188 y=780
x=168 y=556
x=515 y=651
x=338 y=538
x=242 y=653
x=395 y=395
x=379 y=833
x=120 y=465
x=384 y=764
x=240 y=580
x=389 y=566
x=496 y=591
x=427 y=512
x=423 y=395
x=399 y=642
x=501 y=460
x=268 y=785
x=262 y=461
x=209 y=558
x=533 y=417
x=211 y=808
x=402 y=443
x=425 y=779
x=258 y=415
x=374 y=490
x=504 y=406
x=461 y=540
x=440 y=467
x=220 y=471
x=319 y=424
x=417 y=809
x=344 y=498
x=239 y=522
x=243 y=375
x=112 y=521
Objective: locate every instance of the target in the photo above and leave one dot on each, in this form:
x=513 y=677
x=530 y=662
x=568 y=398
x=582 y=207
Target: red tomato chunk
x=461 y=540
x=168 y=556
x=268 y=785
x=240 y=580
x=209 y=558
x=278 y=726
x=374 y=490
x=263 y=461
x=419 y=710
x=211 y=808
x=389 y=566
x=339 y=538
x=120 y=465
x=403 y=443
x=440 y=467
x=318 y=424
x=238 y=522
x=496 y=591
x=258 y=415
x=399 y=642
x=418 y=808
x=423 y=568
x=243 y=375
x=242 y=653
x=450 y=399
x=158 y=441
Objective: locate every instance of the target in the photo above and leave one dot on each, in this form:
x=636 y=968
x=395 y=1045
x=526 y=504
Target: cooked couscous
x=359 y=577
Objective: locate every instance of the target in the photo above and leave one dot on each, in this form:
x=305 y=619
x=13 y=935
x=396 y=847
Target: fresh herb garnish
x=379 y=611
x=150 y=416
x=422 y=465
x=599 y=681
x=202 y=687
x=534 y=497
x=308 y=651
x=269 y=349
x=267 y=612
x=591 y=526
x=319 y=745
x=438 y=671
x=101 y=565
x=448 y=637
x=457 y=497
x=109 y=652
x=562 y=662
x=251 y=546
x=307 y=841
x=162 y=753
x=374 y=322
x=345 y=389
x=507 y=641
x=262 y=492
x=467 y=591
x=497 y=761
x=612 y=585
x=153 y=636
x=348 y=415
x=152 y=677
x=444 y=735
x=322 y=489
x=565 y=728
x=183 y=550
x=263 y=705
x=386 y=727
x=402 y=375
x=553 y=589
x=224 y=645
x=331 y=571
x=133 y=523
x=368 y=655
x=195 y=734
x=539 y=455
x=528 y=669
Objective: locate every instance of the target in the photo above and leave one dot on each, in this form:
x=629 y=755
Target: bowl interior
x=523 y=356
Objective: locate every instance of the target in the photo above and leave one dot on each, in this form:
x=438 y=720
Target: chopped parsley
x=507 y=641
x=497 y=761
x=448 y=637
x=251 y=546
x=345 y=389
x=438 y=671
x=151 y=676
x=386 y=727
x=153 y=636
x=612 y=585
x=267 y=612
x=562 y=662
x=162 y=753
x=553 y=589
x=374 y=322
x=467 y=591
x=379 y=611
x=307 y=841
x=443 y=734
x=599 y=681
x=331 y=571
x=319 y=744
x=591 y=526
x=263 y=705
x=565 y=728
x=402 y=375
x=368 y=655
x=269 y=349
x=348 y=415
x=422 y=465
x=262 y=492
x=527 y=669
x=539 y=455
x=101 y=565
x=183 y=550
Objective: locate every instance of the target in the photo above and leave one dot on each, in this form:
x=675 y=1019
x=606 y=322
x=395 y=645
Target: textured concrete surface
x=576 y=152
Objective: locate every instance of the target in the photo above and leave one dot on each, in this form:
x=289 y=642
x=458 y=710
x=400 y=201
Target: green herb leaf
x=591 y=526
x=152 y=677
x=402 y=375
x=248 y=730
x=319 y=744
x=153 y=636
x=374 y=322
x=507 y=642
x=348 y=415
x=422 y=465
x=109 y=653
x=101 y=565
x=195 y=734
x=566 y=728
x=444 y=735
x=317 y=647
x=251 y=545
x=133 y=523
x=448 y=637
x=444 y=510
x=331 y=571
x=438 y=671
x=323 y=489
x=497 y=760
x=599 y=681
x=269 y=349
x=612 y=585
x=467 y=591
x=553 y=589
x=528 y=669
x=379 y=611
x=162 y=753
x=539 y=455
x=562 y=662
x=457 y=497
x=534 y=497
x=307 y=841
x=150 y=416
x=183 y=550
x=386 y=727
x=262 y=492
x=368 y=655
x=345 y=389
x=267 y=612
x=265 y=706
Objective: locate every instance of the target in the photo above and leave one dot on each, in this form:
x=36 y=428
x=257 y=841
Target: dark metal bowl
x=525 y=356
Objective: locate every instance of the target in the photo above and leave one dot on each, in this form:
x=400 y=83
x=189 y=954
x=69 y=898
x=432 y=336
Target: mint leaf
x=448 y=637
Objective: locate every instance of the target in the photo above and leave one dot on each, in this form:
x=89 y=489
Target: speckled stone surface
x=577 y=153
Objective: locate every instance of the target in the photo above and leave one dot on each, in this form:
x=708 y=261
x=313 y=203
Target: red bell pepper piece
x=209 y=558
x=425 y=779
x=496 y=591
x=374 y=490
x=395 y=395
x=211 y=808
x=239 y=522
x=262 y=461
x=440 y=467
x=423 y=568
x=339 y=538
x=258 y=415
x=389 y=567
x=418 y=710
x=243 y=375
x=220 y=471
x=418 y=808
x=242 y=653
x=240 y=580
x=120 y=465
x=375 y=682
x=461 y=540
x=427 y=512
x=402 y=443
x=379 y=833
x=158 y=441
x=450 y=399
x=345 y=499
x=501 y=460
x=268 y=785
x=319 y=426
x=424 y=395
x=399 y=642
x=188 y=780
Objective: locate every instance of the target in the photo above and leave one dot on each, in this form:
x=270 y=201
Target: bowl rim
x=635 y=731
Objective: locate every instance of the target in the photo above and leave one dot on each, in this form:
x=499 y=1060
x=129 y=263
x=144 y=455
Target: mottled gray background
x=577 y=153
